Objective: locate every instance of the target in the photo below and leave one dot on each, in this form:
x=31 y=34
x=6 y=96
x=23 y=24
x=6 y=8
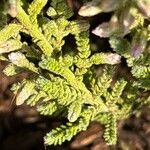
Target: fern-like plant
x=77 y=83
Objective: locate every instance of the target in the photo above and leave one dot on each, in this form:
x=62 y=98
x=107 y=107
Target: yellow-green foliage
x=78 y=83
